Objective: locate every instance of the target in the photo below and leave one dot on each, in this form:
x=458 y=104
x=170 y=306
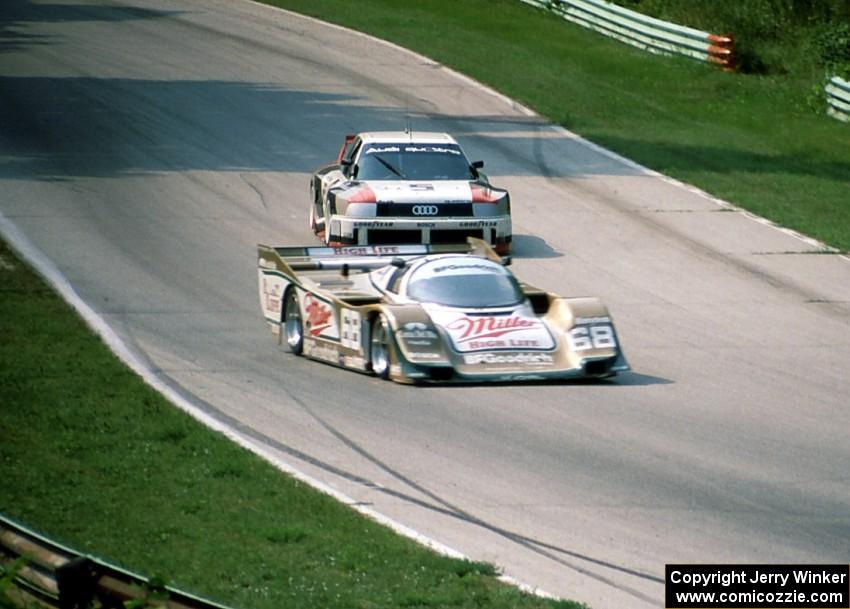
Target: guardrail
x=838 y=98
x=52 y=575
x=645 y=32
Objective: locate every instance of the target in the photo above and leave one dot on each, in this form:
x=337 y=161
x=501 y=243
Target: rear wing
x=362 y=257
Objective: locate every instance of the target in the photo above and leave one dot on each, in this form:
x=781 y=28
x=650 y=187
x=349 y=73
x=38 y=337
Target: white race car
x=407 y=187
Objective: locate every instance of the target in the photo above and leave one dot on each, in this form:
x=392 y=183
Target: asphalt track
x=147 y=146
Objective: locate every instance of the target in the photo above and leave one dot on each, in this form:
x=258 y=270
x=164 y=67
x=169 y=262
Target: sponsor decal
x=438 y=149
x=381 y=149
x=271 y=292
x=354 y=361
x=593 y=320
x=490 y=268
x=511 y=332
x=374 y=224
x=319 y=315
x=315 y=350
x=423 y=355
x=479 y=224
x=509 y=358
x=512 y=343
x=416 y=331
x=466 y=329
x=367 y=250
x=425 y=210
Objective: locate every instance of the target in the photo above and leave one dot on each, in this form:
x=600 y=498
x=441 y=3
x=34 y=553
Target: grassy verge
x=789 y=37
x=760 y=141
x=98 y=460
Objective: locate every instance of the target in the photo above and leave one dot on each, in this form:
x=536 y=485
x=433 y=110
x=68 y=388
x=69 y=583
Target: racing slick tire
x=380 y=347
x=293 y=324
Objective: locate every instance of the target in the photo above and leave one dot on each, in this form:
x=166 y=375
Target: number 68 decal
x=582 y=338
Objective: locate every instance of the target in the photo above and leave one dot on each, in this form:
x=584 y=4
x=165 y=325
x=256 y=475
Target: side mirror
x=475 y=166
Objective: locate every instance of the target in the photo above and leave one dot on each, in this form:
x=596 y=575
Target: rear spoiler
x=366 y=257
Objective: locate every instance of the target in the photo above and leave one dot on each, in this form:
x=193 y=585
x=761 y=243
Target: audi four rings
x=425 y=210
x=406 y=187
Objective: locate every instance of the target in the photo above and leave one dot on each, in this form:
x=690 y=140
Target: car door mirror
x=345 y=165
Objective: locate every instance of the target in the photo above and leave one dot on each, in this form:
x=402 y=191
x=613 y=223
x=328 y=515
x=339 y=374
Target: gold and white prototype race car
x=431 y=313
x=406 y=187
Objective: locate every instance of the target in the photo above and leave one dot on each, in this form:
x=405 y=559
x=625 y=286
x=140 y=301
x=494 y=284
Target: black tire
x=293 y=325
x=380 y=347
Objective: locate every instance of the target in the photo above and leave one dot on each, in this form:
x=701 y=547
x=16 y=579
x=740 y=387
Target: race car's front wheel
x=380 y=347
x=292 y=323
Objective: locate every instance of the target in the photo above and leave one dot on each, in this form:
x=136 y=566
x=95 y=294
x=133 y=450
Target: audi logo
x=425 y=210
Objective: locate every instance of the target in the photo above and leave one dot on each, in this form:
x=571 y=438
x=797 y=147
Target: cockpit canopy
x=462 y=281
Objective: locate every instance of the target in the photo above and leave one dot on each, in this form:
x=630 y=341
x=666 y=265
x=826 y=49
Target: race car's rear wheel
x=380 y=347
x=292 y=323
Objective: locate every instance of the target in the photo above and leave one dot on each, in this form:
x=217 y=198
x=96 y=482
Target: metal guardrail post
x=838 y=98
x=59 y=577
x=648 y=33
x=76 y=581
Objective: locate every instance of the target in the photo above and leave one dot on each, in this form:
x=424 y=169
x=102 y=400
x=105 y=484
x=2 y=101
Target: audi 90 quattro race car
x=420 y=313
x=406 y=187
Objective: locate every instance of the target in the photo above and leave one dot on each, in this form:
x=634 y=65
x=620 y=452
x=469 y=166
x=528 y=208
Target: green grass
x=789 y=37
x=760 y=141
x=96 y=459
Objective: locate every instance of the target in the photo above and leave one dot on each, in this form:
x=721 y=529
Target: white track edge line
x=812 y=242
x=54 y=277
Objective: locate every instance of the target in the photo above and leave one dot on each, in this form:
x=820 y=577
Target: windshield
x=413 y=162
x=460 y=282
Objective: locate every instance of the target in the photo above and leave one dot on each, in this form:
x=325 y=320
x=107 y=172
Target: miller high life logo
x=466 y=329
x=318 y=315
